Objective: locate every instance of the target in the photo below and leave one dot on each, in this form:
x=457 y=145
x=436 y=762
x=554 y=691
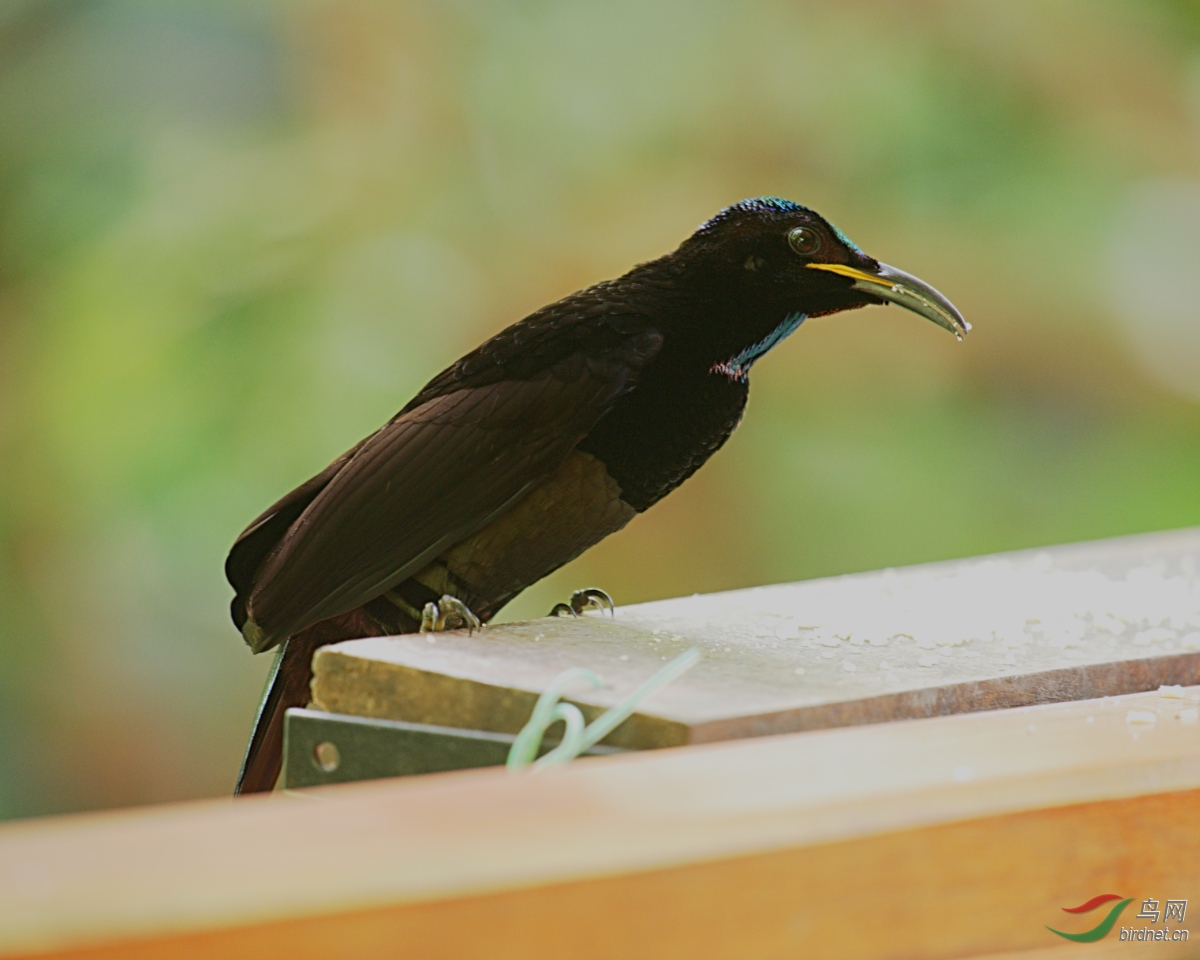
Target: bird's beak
x=905 y=290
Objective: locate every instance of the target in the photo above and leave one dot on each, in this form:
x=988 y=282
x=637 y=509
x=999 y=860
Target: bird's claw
x=589 y=598
x=449 y=613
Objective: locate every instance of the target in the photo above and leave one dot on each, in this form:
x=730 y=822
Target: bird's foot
x=589 y=598
x=449 y=613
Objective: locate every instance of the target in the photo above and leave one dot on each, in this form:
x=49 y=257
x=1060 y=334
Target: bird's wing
x=265 y=531
x=437 y=473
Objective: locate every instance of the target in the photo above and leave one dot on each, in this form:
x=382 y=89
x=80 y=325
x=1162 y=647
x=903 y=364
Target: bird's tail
x=287 y=686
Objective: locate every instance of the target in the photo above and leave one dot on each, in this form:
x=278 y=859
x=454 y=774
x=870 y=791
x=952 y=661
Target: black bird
x=538 y=444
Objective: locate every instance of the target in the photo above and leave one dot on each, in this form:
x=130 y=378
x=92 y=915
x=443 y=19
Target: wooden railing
x=962 y=835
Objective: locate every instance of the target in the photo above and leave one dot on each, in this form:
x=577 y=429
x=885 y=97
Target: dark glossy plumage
x=534 y=446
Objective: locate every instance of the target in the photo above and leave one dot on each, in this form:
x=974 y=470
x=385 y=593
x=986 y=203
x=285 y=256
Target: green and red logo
x=1104 y=926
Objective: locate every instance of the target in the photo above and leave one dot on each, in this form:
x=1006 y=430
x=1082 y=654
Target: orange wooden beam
x=950 y=837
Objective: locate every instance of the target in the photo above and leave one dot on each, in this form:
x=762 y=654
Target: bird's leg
x=589 y=598
x=449 y=613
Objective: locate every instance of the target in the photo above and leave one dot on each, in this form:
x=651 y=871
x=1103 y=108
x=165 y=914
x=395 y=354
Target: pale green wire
x=572 y=742
x=577 y=738
x=525 y=747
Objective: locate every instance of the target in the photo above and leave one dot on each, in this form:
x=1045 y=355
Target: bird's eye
x=804 y=241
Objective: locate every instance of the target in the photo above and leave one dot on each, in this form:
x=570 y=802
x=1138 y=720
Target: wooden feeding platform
x=929 y=802
x=1070 y=623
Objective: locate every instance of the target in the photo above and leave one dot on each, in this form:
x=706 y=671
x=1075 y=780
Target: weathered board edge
x=1082 y=682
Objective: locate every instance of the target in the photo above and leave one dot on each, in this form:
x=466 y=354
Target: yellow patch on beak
x=852 y=272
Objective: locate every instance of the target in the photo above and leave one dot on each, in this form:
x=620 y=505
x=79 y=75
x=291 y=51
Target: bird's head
x=768 y=263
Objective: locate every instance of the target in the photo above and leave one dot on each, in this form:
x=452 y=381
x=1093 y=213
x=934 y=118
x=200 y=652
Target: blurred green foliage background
x=235 y=237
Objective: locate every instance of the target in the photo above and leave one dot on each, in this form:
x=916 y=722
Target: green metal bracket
x=321 y=748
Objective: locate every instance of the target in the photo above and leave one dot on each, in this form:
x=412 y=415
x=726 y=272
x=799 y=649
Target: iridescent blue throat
x=737 y=368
